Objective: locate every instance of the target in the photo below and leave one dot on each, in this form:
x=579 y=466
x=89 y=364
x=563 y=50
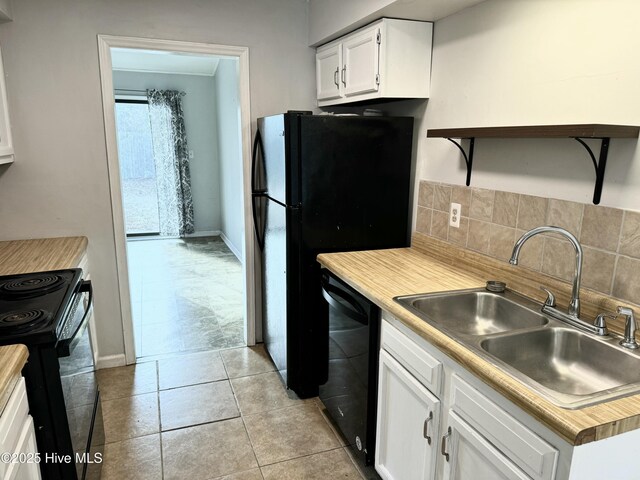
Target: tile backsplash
x=491 y=221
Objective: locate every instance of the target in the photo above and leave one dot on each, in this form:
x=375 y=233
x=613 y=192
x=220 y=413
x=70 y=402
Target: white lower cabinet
x=25 y=467
x=433 y=424
x=468 y=455
x=408 y=421
x=511 y=438
x=17 y=438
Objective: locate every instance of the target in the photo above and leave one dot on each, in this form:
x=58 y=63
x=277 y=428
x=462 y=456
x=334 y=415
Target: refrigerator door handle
x=257 y=147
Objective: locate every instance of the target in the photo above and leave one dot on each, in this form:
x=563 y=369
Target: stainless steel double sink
x=568 y=367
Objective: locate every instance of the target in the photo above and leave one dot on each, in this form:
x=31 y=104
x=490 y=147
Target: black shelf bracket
x=599 y=165
x=468 y=159
x=579 y=132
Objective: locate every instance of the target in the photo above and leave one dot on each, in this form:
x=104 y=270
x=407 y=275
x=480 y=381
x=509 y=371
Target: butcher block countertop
x=12 y=359
x=42 y=254
x=433 y=266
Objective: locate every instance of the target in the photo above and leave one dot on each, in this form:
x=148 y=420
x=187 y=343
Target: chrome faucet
x=574 y=306
x=599 y=327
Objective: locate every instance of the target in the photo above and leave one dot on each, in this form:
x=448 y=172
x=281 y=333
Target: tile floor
x=215 y=415
x=186 y=295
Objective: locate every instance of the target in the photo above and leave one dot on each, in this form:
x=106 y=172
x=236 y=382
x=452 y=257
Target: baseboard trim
x=110 y=361
x=206 y=233
x=233 y=249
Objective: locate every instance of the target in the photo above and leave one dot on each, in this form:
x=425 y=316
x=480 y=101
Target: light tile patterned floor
x=215 y=415
x=186 y=295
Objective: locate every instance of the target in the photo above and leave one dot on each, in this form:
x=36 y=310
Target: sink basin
x=569 y=363
x=568 y=367
x=475 y=312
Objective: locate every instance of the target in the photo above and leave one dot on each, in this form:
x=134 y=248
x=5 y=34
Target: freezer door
x=272 y=131
x=356 y=175
x=274 y=286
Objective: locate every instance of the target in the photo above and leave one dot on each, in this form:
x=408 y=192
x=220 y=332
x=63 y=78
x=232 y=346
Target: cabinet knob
x=425 y=428
x=443 y=445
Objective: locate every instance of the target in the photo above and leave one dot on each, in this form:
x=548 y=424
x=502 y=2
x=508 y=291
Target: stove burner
x=31 y=286
x=23 y=320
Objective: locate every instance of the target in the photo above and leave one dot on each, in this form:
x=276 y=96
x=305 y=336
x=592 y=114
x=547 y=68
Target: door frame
x=105 y=43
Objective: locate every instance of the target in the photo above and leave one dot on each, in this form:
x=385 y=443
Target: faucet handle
x=601 y=322
x=551 y=298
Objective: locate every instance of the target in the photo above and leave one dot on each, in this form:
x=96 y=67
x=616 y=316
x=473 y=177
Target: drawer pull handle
x=425 y=428
x=443 y=445
x=343 y=75
x=335 y=77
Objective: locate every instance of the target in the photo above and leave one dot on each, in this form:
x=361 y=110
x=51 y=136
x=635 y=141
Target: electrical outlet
x=454 y=215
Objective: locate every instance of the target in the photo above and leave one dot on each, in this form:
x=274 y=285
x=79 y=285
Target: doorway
x=176 y=276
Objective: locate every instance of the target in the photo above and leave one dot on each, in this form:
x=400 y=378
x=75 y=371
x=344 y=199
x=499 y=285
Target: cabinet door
x=408 y=419
x=328 y=64
x=26 y=468
x=361 y=62
x=469 y=456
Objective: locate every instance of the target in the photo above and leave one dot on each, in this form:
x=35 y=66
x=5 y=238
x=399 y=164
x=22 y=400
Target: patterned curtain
x=171 y=157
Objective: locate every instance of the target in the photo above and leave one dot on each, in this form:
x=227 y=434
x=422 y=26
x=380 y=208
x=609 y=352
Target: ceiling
x=157 y=61
x=325 y=25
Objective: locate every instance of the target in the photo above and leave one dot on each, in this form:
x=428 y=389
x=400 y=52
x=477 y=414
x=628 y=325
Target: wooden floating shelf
x=540 y=131
x=578 y=132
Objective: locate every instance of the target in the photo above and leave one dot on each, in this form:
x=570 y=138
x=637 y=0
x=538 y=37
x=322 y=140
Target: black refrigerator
x=322 y=183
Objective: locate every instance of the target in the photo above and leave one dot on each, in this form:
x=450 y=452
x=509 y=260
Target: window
x=137 y=167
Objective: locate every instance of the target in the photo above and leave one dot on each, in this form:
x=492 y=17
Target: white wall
x=229 y=151
x=199 y=107
x=59 y=183
x=523 y=62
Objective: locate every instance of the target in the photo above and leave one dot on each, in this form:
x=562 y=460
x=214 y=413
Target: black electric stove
x=49 y=312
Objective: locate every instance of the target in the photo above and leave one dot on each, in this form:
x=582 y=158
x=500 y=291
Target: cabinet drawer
x=13 y=417
x=422 y=365
x=523 y=447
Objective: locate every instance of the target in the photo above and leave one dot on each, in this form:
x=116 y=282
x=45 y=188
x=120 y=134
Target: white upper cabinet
x=361 y=62
x=387 y=59
x=6 y=143
x=328 y=65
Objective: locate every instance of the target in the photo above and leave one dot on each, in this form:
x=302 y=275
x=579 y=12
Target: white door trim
x=105 y=43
